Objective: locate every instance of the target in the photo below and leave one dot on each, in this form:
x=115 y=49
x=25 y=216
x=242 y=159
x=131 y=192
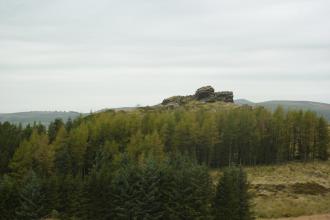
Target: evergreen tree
x=31 y=198
x=185 y=135
x=98 y=194
x=69 y=200
x=77 y=145
x=53 y=129
x=69 y=125
x=323 y=139
x=127 y=192
x=245 y=206
x=150 y=201
x=279 y=135
x=35 y=154
x=10 y=138
x=207 y=138
x=232 y=200
x=192 y=191
x=9 y=198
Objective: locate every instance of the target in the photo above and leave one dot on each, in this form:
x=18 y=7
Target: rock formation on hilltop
x=203 y=94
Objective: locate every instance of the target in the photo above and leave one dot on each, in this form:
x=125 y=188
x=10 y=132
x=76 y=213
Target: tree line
x=174 y=188
x=214 y=137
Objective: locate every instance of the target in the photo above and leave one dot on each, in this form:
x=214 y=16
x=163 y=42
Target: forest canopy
x=214 y=136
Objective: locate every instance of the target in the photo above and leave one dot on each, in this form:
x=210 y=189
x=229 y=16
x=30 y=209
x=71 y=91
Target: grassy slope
x=307 y=217
x=293 y=189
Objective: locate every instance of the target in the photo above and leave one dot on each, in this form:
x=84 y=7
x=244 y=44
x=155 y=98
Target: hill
x=322 y=109
x=206 y=94
x=44 y=117
x=128 y=158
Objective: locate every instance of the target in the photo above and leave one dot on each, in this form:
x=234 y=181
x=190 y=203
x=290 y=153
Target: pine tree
x=208 y=138
x=322 y=139
x=98 y=194
x=31 y=198
x=127 y=192
x=245 y=209
x=77 y=141
x=53 y=129
x=225 y=201
x=9 y=198
x=69 y=198
x=150 y=202
x=69 y=125
x=192 y=190
x=10 y=138
x=232 y=200
x=279 y=135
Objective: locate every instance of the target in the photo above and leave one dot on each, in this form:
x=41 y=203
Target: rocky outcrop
x=224 y=96
x=180 y=100
x=203 y=94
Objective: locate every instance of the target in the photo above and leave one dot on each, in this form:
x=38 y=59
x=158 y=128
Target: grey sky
x=82 y=55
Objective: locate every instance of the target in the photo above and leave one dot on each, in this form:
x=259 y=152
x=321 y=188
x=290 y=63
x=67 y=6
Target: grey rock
x=224 y=96
x=177 y=100
x=205 y=92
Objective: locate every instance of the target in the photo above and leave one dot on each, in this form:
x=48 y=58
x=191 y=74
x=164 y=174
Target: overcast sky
x=87 y=55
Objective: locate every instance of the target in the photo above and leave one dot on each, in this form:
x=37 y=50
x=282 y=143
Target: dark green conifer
x=9 y=198
x=232 y=200
x=31 y=198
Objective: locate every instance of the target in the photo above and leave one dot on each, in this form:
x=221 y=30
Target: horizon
x=82 y=56
x=97 y=110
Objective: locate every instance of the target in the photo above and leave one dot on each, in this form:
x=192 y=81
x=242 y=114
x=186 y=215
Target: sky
x=84 y=55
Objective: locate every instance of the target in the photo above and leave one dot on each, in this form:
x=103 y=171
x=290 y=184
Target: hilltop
x=204 y=96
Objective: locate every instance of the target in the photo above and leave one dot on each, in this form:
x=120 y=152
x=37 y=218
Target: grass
x=289 y=190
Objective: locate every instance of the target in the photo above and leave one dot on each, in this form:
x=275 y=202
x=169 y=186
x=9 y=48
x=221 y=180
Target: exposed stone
x=177 y=99
x=173 y=99
x=225 y=96
x=203 y=94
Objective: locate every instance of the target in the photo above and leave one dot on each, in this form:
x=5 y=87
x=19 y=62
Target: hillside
x=123 y=161
x=44 y=117
x=290 y=190
x=322 y=109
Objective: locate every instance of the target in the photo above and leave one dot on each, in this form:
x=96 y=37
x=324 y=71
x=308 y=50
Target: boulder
x=205 y=92
x=224 y=96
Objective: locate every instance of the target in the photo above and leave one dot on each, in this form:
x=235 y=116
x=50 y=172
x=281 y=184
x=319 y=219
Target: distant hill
x=322 y=109
x=44 y=117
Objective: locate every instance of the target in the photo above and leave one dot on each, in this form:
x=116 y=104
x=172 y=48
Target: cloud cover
x=82 y=55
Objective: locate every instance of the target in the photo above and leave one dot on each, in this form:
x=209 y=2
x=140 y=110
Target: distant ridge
x=322 y=109
x=44 y=117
